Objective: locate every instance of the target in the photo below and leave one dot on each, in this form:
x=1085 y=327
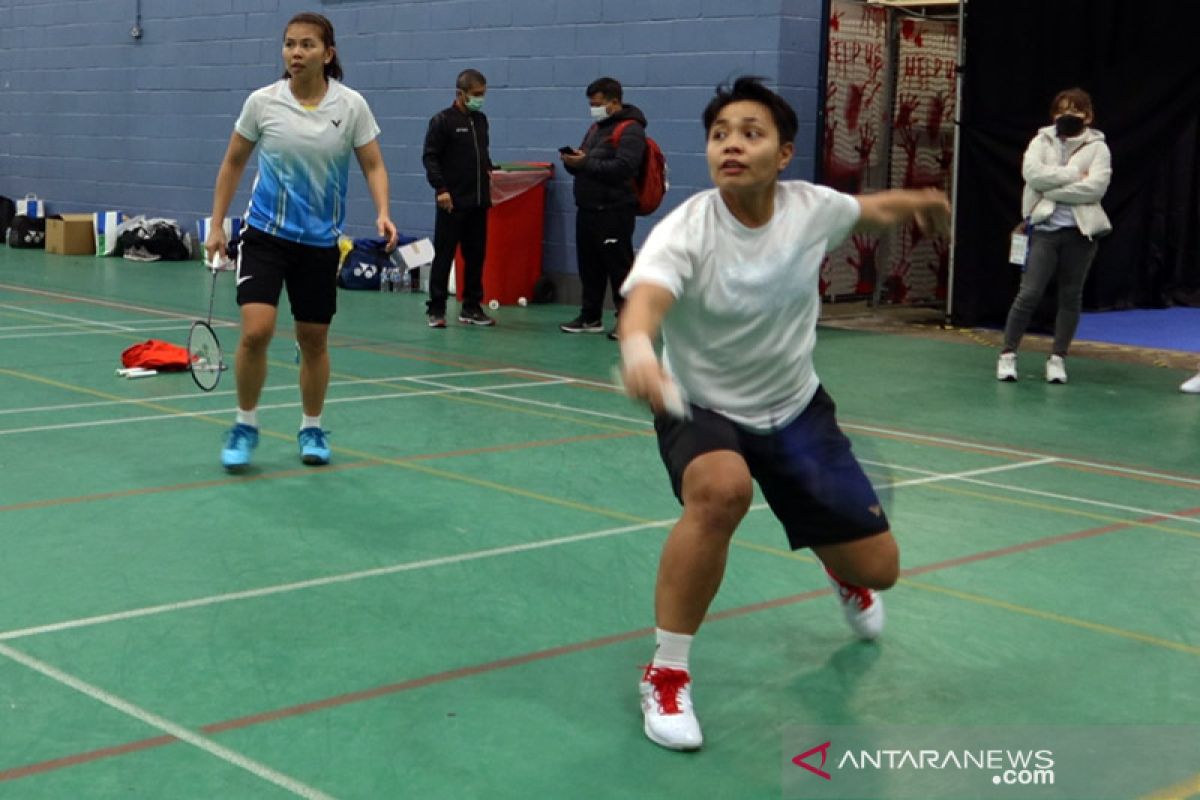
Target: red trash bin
x=512 y=262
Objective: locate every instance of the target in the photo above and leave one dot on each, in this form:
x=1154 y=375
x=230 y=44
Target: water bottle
x=385 y=279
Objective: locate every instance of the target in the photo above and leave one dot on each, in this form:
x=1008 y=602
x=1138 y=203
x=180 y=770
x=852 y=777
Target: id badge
x=1018 y=249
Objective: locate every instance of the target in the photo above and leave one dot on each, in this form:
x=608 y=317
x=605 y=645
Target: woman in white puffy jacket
x=1066 y=169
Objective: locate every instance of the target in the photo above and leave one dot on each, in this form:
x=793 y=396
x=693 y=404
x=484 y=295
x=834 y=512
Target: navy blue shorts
x=806 y=471
x=267 y=263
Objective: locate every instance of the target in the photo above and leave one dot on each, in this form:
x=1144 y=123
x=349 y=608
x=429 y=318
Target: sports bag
x=651 y=183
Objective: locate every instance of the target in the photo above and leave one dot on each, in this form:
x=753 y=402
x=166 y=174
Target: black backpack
x=8 y=210
x=27 y=232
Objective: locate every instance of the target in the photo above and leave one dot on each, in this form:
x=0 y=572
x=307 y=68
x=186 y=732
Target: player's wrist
x=636 y=349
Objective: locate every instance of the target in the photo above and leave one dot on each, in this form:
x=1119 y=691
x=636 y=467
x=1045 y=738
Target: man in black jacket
x=605 y=167
x=457 y=166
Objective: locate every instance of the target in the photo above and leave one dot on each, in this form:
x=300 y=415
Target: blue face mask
x=599 y=112
x=474 y=103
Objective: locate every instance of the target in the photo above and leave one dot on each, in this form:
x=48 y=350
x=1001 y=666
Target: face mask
x=474 y=103
x=1068 y=125
x=599 y=112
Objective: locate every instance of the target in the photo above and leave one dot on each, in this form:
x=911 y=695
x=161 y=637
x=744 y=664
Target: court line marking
x=231 y=393
x=161 y=328
x=178 y=415
x=966 y=478
x=58 y=326
x=1185 y=789
x=921 y=438
x=168 y=727
x=67 y=317
x=576 y=647
x=329 y=580
x=94 y=301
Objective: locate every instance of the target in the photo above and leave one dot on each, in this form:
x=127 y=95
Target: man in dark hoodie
x=458 y=167
x=605 y=168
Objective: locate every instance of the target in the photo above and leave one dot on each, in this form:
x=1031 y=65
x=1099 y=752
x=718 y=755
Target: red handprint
x=864 y=262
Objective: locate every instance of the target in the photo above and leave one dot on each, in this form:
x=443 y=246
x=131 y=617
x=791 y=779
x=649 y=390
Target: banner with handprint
x=870 y=127
x=922 y=154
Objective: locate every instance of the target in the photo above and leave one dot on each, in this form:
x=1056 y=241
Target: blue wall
x=91 y=118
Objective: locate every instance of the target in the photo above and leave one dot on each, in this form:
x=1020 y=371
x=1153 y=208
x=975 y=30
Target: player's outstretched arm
x=929 y=208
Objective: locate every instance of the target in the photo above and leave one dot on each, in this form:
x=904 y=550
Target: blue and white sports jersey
x=303 y=160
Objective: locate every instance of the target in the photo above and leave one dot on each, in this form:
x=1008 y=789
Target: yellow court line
x=1013 y=607
x=1185 y=789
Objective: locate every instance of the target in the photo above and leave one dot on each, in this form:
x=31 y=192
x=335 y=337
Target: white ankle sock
x=248 y=417
x=672 y=649
x=310 y=422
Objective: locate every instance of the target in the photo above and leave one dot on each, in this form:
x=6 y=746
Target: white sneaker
x=667 y=708
x=1191 y=385
x=1006 y=367
x=1056 y=370
x=863 y=607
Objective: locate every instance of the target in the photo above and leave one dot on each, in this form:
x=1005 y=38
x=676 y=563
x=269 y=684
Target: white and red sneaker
x=667 y=708
x=863 y=607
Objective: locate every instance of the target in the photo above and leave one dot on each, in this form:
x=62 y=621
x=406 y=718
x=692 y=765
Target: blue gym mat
x=1160 y=328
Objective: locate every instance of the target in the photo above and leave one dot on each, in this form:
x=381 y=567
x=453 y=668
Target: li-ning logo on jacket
x=337 y=123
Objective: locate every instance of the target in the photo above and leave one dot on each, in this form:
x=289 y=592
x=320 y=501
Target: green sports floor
x=459 y=605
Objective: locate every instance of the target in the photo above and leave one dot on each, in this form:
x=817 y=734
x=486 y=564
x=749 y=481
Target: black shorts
x=806 y=471
x=267 y=263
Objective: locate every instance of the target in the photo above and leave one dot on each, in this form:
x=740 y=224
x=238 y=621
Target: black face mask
x=1068 y=125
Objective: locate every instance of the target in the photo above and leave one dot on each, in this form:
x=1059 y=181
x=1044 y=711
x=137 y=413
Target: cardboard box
x=71 y=235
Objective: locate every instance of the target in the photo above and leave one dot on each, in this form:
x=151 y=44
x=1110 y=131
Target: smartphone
x=566 y=150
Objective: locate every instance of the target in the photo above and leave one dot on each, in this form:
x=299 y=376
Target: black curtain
x=1140 y=61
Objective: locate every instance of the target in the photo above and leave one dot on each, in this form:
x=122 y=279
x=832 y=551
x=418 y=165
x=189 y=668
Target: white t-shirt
x=303 y=159
x=740 y=335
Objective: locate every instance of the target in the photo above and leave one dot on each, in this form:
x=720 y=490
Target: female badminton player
x=730 y=279
x=306 y=126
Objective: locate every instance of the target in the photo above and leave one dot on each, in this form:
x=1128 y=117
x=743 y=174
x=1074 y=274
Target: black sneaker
x=581 y=325
x=437 y=320
x=612 y=335
x=475 y=316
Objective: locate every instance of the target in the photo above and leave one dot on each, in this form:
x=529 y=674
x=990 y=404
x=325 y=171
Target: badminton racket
x=205 y=360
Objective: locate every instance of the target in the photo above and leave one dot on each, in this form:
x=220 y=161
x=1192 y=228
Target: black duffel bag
x=27 y=231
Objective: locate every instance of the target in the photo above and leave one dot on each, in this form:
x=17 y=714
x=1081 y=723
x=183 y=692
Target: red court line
x=540 y=655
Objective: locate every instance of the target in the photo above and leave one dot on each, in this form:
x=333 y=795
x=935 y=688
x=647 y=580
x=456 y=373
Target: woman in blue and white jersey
x=306 y=126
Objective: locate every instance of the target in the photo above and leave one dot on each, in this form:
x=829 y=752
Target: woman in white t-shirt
x=306 y=127
x=730 y=279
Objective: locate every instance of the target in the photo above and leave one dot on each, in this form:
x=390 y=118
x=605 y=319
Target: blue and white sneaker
x=240 y=442
x=314 y=448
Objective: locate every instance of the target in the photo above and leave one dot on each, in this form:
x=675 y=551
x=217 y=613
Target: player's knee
x=721 y=500
x=256 y=338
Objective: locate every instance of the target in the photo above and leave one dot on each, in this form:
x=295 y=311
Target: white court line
x=920 y=437
x=62 y=426
x=55 y=326
x=968 y=477
x=917 y=437
x=83 y=299
x=163 y=327
x=489 y=391
x=67 y=317
x=230 y=393
x=934 y=477
x=166 y=726
x=348 y=577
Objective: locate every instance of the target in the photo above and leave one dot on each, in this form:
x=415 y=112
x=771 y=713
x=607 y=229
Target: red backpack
x=651 y=183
